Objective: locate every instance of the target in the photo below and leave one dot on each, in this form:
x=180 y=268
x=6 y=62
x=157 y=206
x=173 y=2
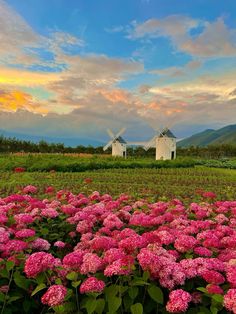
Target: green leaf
x=136 y=308
x=38 y=288
x=21 y=281
x=75 y=284
x=146 y=276
x=4 y=273
x=68 y=307
x=139 y=282
x=100 y=306
x=14 y=298
x=26 y=305
x=2 y=297
x=156 y=294
x=213 y=309
x=204 y=310
x=111 y=291
x=58 y=281
x=113 y=304
x=202 y=289
x=72 y=276
x=44 y=231
x=133 y=292
x=10 y=265
x=90 y=305
x=218 y=298
x=41 y=278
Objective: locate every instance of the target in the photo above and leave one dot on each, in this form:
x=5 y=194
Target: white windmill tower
x=117 y=143
x=165 y=143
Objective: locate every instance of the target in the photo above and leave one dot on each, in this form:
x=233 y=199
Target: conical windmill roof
x=120 y=140
x=167 y=133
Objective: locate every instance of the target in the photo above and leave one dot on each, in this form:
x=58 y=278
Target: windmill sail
x=113 y=137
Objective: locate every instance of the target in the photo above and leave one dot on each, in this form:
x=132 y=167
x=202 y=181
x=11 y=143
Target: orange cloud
x=14 y=100
x=116 y=95
x=26 y=78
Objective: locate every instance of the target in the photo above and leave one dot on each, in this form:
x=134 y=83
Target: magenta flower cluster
x=174 y=243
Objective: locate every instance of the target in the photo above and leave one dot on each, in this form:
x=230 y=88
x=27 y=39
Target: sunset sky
x=72 y=68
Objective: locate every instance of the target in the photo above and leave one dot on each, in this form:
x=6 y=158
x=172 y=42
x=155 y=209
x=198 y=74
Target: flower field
x=66 y=252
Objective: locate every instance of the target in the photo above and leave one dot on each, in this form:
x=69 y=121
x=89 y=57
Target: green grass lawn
x=149 y=183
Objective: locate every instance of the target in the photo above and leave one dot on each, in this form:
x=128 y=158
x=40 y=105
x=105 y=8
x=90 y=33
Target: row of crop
x=143 y=182
x=67 y=164
x=224 y=163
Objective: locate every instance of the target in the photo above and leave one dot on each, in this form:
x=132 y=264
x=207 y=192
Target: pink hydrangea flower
x=25 y=233
x=40 y=244
x=103 y=243
x=185 y=243
x=49 y=212
x=122 y=266
x=214 y=289
x=202 y=251
x=23 y=218
x=178 y=301
x=30 y=189
x=112 y=255
x=73 y=260
x=91 y=263
x=37 y=263
x=59 y=244
x=15 y=246
x=4 y=235
x=213 y=277
x=49 y=189
x=92 y=284
x=55 y=295
x=230 y=300
x=3 y=218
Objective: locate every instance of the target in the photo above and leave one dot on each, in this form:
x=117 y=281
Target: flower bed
x=76 y=254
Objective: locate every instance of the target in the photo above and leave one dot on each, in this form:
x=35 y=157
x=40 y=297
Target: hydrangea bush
x=71 y=253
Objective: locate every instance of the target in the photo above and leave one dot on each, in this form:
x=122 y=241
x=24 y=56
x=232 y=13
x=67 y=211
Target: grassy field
x=149 y=183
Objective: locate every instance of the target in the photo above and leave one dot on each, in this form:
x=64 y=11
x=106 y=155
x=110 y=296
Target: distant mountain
x=72 y=142
x=225 y=135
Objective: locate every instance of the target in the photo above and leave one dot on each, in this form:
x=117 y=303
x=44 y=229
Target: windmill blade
x=161 y=132
x=150 y=143
x=108 y=144
x=110 y=133
x=120 y=132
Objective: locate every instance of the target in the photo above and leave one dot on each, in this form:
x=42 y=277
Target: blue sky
x=74 y=68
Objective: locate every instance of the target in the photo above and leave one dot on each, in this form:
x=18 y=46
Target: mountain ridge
x=225 y=135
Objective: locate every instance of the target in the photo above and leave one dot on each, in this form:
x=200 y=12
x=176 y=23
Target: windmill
x=165 y=143
x=117 y=143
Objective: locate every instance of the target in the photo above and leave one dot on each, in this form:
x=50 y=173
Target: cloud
x=16 y=35
x=173 y=26
x=14 y=100
x=21 y=45
x=233 y=92
x=216 y=40
x=143 y=89
x=173 y=72
x=211 y=39
x=207 y=100
x=115 y=29
x=170 y=72
x=88 y=73
x=14 y=77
